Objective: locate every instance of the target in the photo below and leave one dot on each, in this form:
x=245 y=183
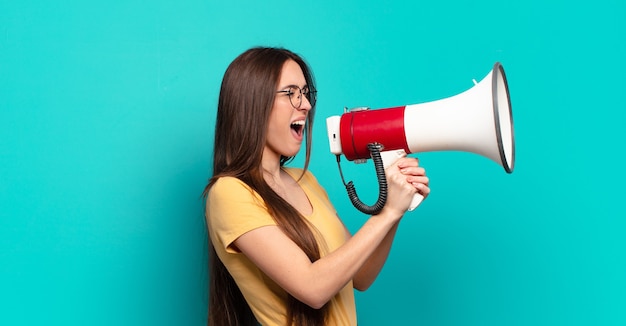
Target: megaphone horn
x=478 y=120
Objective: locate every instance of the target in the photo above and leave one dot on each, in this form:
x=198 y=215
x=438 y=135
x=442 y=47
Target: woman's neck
x=270 y=164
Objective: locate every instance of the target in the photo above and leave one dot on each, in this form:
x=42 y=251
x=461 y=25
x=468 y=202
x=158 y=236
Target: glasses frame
x=311 y=95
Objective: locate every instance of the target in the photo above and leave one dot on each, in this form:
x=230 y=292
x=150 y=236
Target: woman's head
x=247 y=97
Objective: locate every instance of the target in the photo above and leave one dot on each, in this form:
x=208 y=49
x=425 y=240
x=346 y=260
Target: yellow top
x=234 y=209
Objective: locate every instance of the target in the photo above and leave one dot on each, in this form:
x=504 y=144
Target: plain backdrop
x=106 y=130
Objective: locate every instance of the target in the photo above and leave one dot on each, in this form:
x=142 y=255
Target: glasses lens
x=295 y=96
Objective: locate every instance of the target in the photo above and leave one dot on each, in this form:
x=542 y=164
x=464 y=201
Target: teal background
x=106 y=120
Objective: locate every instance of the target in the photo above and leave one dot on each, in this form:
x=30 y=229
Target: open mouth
x=298 y=127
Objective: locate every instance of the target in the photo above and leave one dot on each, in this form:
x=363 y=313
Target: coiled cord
x=374 y=149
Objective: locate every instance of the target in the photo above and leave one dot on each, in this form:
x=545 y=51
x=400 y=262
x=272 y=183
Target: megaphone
x=478 y=120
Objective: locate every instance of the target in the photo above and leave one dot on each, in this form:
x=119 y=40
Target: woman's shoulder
x=227 y=182
x=229 y=186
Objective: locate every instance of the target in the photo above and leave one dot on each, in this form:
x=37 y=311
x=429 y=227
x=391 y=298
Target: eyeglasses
x=295 y=95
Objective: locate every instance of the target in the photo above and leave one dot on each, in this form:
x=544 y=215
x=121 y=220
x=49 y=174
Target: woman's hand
x=405 y=178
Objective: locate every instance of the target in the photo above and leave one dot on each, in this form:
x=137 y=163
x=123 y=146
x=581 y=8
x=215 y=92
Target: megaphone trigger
x=390 y=157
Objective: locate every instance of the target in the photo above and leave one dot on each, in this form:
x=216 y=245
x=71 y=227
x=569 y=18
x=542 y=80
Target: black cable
x=374 y=149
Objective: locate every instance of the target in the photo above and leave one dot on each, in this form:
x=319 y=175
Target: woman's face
x=286 y=123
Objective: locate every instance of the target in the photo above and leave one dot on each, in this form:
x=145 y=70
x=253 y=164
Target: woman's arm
x=360 y=258
x=372 y=267
x=313 y=283
x=368 y=273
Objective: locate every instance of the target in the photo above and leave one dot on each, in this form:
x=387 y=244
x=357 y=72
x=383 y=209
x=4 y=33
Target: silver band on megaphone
x=478 y=121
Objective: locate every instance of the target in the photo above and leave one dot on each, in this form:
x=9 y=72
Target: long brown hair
x=245 y=102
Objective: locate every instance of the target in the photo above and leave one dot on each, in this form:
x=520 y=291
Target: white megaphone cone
x=478 y=120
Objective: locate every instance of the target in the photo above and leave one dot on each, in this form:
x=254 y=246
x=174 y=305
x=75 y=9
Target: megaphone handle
x=390 y=157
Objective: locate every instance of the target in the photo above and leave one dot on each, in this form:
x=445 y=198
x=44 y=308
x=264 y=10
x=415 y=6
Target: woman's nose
x=306 y=104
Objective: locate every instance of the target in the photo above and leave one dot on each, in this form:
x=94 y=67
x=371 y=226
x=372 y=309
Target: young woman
x=280 y=255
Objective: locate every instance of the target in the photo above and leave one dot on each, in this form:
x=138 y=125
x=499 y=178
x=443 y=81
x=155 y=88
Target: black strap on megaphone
x=374 y=149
